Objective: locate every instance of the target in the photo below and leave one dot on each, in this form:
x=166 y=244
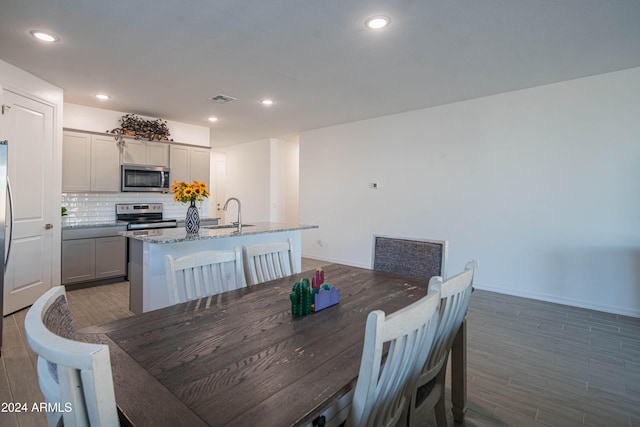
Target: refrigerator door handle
x=6 y=261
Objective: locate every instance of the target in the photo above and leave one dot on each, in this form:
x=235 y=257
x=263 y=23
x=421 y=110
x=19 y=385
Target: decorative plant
x=196 y=191
x=300 y=297
x=159 y=127
x=133 y=125
x=131 y=122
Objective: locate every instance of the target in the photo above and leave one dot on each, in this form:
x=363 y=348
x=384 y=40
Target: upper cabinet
x=90 y=163
x=189 y=163
x=139 y=152
x=105 y=164
x=76 y=162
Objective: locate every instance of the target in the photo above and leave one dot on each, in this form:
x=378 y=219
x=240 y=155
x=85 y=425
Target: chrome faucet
x=239 y=222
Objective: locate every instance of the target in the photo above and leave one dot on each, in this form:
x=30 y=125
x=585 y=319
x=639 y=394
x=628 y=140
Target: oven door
x=144 y=178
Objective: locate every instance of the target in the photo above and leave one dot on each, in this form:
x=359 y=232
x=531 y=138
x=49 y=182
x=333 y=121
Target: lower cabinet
x=87 y=259
x=78 y=260
x=111 y=259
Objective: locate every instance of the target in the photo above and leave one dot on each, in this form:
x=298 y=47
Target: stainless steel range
x=141 y=216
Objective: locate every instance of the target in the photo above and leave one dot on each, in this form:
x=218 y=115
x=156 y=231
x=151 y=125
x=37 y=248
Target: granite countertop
x=202 y=219
x=176 y=235
x=73 y=223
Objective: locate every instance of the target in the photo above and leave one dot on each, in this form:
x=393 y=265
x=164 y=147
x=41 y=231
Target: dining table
x=242 y=358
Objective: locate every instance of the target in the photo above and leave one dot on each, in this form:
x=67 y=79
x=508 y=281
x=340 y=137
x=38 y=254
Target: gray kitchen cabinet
x=139 y=152
x=179 y=163
x=157 y=153
x=90 y=163
x=105 y=164
x=134 y=153
x=200 y=164
x=92 y=254
x=189 y=163
x=76 y=162
x=78 y=260
x=111 y=257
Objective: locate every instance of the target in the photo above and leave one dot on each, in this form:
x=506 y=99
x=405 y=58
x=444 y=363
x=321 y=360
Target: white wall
x=93 y=119
x=284 y=181
x=248 y=179
x=542 y=186
x=292 y=193
x=263 y=175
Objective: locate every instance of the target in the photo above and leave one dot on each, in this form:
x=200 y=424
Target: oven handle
x=152 y=225
x=162 y=183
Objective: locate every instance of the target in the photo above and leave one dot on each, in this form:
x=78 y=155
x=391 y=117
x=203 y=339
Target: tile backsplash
x=96 y=207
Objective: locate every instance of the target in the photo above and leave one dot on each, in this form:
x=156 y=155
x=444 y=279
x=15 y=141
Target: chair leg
x=441 y=413
x=440 y=410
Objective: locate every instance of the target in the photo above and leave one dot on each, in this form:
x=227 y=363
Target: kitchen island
x=149 y=248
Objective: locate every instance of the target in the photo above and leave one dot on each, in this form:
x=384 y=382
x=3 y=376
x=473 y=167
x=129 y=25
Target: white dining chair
x=428 y=393
x=268 y=261
x=382 y=392
x=74 y=376
x=202 y=274
x=414 y=257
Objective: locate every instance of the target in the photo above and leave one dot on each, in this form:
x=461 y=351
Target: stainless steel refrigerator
x=5 y=223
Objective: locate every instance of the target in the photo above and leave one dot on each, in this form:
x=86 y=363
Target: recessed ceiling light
x=102 y=96
x=267 y=102
x=45 y=37
x=377 y=22
x=212 y=119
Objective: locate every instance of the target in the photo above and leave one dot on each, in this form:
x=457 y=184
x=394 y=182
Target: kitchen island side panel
x=135 y=275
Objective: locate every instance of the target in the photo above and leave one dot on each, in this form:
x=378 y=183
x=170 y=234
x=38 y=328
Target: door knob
x=48 y=226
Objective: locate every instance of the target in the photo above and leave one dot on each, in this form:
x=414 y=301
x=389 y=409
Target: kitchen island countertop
x=177 y=235
x=71 y=223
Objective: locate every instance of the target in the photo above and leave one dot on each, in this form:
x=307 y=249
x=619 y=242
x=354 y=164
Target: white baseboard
x=625 y=311
x=337 y=261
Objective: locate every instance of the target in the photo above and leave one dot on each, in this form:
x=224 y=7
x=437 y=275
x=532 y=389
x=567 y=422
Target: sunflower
x=186 y=193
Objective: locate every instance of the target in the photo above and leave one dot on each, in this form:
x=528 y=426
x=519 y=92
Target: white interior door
x=28 y=125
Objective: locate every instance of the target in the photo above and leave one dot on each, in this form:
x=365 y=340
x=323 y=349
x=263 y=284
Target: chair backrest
x=73 y=375
x=455 y=294
x=411 y=257
x=268 y=261
x=203 y=273
x=381 y=394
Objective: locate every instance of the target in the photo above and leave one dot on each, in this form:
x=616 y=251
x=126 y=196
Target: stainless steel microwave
x=144 y=178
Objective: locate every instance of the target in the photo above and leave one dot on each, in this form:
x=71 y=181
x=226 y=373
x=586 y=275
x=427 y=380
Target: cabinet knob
x=48 y=226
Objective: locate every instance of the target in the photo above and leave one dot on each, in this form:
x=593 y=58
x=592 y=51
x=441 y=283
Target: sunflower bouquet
x=196 y=191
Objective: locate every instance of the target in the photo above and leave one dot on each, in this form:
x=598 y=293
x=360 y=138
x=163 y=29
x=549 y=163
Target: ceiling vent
x=222 y=99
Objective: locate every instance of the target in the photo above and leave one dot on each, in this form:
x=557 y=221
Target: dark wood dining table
x=240 y=358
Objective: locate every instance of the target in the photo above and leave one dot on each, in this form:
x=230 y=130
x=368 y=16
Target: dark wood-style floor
x=531 y=363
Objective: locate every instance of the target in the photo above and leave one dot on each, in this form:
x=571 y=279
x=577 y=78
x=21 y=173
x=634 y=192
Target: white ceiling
x=314 y=58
